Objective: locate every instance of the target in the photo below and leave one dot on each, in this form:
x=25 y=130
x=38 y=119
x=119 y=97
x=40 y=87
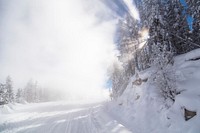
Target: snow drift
x=143 y=109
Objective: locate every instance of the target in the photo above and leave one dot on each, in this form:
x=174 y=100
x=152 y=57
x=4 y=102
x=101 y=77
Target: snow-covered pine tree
x=35 y=92
x=3 y=91
x=117 y=80
x=40 y=95
x=9 y=90
x=159 y=46
x=19 y=96
x=128 y=44
x=28 y=92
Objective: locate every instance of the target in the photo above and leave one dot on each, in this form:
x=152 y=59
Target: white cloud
x=62 y=44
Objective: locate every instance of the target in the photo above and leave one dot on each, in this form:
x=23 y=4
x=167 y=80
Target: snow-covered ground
x=140 y=109
x=143 y=110
x=59 y=117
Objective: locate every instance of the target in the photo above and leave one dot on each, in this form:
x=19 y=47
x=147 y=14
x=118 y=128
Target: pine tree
x=3 y=94
x=29 y=92
x=40 y=95
x=19 y=96
x=119 y=81
x=35 y=92
x=194 y=11
x=9 y=89
x=32 y=92
x=127 y=45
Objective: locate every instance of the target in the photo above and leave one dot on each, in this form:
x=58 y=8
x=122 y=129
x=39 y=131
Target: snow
x=143 y=110
x=140 y=109
x=57 y=117
x=6 y=109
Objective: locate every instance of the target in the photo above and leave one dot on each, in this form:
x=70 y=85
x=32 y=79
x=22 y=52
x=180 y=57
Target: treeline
x=166 y=28
x=32 y=92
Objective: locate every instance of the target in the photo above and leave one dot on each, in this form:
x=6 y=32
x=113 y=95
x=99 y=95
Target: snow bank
x=192 y=55
x=143 y=110
x=6 y=109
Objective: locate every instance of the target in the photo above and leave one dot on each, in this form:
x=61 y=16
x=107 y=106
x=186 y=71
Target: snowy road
x=59 y=117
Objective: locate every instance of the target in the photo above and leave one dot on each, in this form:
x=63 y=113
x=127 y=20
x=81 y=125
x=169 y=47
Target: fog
x=64 y=45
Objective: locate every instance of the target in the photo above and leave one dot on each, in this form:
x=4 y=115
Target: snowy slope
x=143 y=110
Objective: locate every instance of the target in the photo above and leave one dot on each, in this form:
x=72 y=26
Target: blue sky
x=189 y=17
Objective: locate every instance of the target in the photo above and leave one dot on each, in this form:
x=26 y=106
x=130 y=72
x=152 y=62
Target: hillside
x=144 y=110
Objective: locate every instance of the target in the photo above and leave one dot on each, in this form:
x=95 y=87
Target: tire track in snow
x=63 y=119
